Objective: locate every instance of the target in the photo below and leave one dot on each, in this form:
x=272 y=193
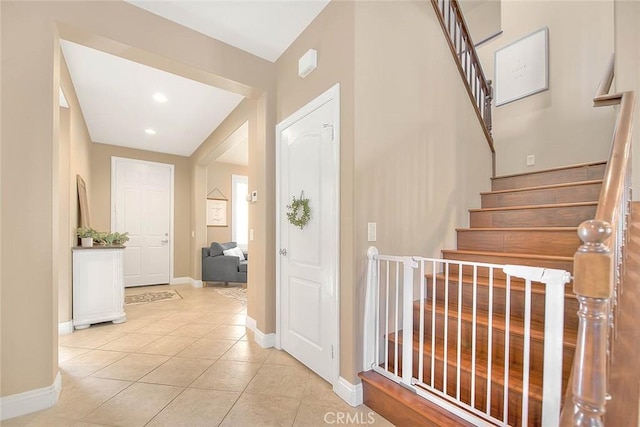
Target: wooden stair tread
x=546 y=206
x=560 y=168
x=516 y=326
x=522 y=229
x=517 y=284
x=408 y=402
x=508 y=254
x=585 y=172
x=542 y=187
x=515 y=377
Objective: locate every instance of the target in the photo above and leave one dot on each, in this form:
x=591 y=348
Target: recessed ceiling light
x=160 y=97
x=150 y=131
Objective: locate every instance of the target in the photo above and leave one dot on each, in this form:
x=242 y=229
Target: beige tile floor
x=188 y=362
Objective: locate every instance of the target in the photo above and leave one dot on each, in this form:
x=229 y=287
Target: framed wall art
x=216 y=213
x=522 y=67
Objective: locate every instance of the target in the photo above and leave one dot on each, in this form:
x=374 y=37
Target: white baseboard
x=30 y=401
x=65 y=328
x=195 y=283
x=180 y=281
x=350 y=393
x=262 y=339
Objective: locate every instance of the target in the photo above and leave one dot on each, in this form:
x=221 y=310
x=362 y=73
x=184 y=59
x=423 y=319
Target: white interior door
x=309 y=257
x=141 y=205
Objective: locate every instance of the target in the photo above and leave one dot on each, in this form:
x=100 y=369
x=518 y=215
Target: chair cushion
x=219 y=248
x=242 y=268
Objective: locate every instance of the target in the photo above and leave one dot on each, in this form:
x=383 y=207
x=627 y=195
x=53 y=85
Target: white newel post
x=407 y=320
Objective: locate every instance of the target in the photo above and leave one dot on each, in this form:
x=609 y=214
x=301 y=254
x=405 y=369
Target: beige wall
x=559 y=126
x=207 y=174
x=73 y=159
x=332 y=35
x=219 y=176
x=30 y=201
x=627 y=70
x=259 y=113
x=262 y=276
x=64 y=221
x=420 y=155
x=29 y=150
x=482 y=18
x=100 y=194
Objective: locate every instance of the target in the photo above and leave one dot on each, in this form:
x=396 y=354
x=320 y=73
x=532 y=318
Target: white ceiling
x=116 y=95
x=116 y=98
x=264 y=28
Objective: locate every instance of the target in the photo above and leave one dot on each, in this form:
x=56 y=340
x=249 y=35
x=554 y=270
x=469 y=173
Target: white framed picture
x=216 y=213
x=522 y=67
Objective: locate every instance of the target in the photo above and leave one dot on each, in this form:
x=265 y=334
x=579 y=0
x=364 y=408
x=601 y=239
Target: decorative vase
x=87 y=242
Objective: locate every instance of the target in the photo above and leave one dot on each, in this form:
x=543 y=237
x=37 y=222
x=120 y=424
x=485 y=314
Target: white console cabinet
x=98 y=286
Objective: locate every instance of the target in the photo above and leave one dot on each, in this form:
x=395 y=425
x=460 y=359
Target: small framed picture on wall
x=216 y=213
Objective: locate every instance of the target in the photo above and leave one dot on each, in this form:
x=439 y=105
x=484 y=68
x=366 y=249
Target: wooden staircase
x=527 y=219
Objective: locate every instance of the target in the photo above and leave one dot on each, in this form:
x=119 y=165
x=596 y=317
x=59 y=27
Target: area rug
x=152 y=296
x=239 y=294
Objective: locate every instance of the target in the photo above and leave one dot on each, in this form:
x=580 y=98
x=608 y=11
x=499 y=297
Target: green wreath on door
x=299 y=212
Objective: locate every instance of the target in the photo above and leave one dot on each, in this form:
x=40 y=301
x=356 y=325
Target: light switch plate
x=371 y=231
x=254 y=196
x=251 y=234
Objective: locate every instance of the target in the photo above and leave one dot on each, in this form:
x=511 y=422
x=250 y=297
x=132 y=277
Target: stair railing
x=598 y=269
x=464 y=52
x=399 y=287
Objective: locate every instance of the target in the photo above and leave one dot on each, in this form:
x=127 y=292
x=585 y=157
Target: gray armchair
x=217 y=267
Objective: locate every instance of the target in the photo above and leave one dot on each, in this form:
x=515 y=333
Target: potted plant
x=86 y=235
x=89 y=237
x=120 y=239
x=99 y=238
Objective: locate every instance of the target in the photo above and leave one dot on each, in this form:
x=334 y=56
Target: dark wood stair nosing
x=505 y=255
x=518 y=229
x=541 y=187
x=516 y=285
x=424 y=408
x=559 y=168
x=526 y=207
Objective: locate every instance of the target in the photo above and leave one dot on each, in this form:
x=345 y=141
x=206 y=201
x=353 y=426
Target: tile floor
x=188 y=362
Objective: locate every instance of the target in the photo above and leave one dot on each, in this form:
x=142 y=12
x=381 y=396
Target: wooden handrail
x=596 y=269
x=614 y=177
x=466 y=58
x=605 y=84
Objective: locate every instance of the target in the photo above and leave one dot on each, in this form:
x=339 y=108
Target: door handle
x=283 y=252
x=164 y=241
